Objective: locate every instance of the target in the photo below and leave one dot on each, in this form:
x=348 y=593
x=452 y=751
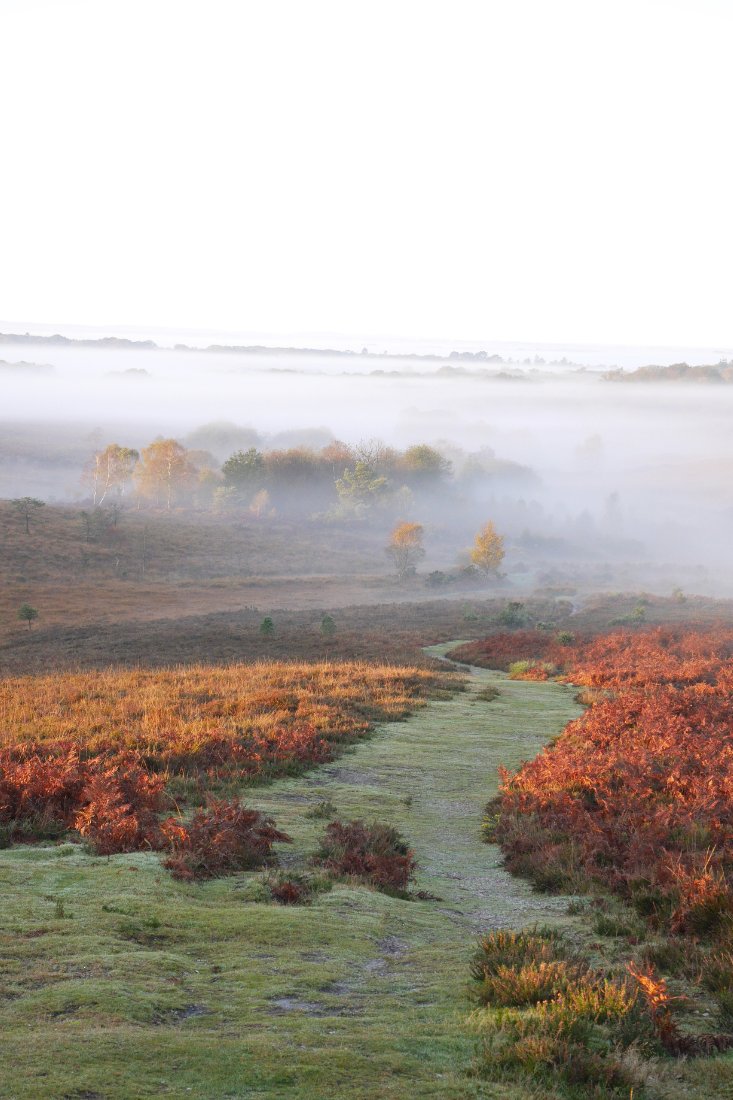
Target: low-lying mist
x=568 y=464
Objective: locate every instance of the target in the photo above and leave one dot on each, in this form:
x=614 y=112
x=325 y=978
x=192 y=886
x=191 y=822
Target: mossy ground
x=118 y=982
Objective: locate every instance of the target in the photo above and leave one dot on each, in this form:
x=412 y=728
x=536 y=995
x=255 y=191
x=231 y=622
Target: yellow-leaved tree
x=164 y=472
x=487 y=552
x=405 y=548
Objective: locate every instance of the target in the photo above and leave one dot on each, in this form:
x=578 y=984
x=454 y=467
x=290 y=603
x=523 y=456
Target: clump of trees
x=344 y=482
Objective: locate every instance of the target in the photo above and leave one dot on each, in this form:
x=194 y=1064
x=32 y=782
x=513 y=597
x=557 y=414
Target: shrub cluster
x=636 y=795
x=222 y=839
x=555 y=1017
x=375 y=854
x=112 y=800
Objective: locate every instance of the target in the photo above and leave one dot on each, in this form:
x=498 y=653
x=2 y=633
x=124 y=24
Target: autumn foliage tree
x=164 y=472
x=405 y=548
x=487 y=552
x=110 y=471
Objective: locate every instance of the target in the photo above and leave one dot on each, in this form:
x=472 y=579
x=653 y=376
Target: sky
x=466 y=169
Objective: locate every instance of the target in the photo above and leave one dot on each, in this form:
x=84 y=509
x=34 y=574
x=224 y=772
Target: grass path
x=120 y=983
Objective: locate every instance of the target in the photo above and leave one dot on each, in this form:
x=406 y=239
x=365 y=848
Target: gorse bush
x=375 y=854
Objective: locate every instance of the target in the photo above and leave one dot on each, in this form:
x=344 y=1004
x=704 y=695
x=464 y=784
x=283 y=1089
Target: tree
x=27 y=614
x=164 y=471
x=424 y=466
x=97 y=522
x=27 y=507
x=245 y=470
x=267 y=627
x=260 y=505
x=110 y=470
x=359 y=489
x=405 y=548
x=328 y=626
x=487 y=552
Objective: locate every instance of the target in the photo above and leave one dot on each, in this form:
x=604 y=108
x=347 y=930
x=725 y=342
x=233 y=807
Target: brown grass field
x=169 y=713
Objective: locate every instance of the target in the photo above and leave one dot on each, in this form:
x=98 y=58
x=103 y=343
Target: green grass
x=119 y=983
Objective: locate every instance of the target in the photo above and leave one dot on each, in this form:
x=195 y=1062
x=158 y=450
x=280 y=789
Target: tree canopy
x=487 y=552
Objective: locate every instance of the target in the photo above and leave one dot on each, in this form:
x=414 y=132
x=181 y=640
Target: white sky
x=497 y=169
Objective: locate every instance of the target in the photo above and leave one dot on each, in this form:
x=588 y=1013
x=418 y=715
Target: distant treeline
x=123 y=344
x=337 y=480
x=676 y=372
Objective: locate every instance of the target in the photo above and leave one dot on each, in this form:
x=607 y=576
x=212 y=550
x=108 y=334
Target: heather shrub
x=375 y=854
x=552 y=1017
x=221 y=840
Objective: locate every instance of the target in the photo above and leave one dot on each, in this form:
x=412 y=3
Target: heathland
x=261 y=841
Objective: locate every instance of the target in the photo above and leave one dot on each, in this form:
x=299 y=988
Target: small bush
x=121 y=803
x=513 y=615
x=499 y=950
x=375 y=854
x=324 y=808
x=613 y=924
x=487 y=694
x=328 y=626
x=221 y=840
x=290 y=891
x=490 y=820
x=531 y=984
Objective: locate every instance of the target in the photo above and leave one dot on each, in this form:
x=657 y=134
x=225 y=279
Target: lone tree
x=27 y=507
x=27 y=614
x=405 y=548
x=267 y=627
x=328 y=626
x=487 y=552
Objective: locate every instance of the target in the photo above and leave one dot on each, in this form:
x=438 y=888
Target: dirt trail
x=431 y=776
x=445 y=759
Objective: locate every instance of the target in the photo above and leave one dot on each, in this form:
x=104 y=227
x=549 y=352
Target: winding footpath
x=431 y=777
